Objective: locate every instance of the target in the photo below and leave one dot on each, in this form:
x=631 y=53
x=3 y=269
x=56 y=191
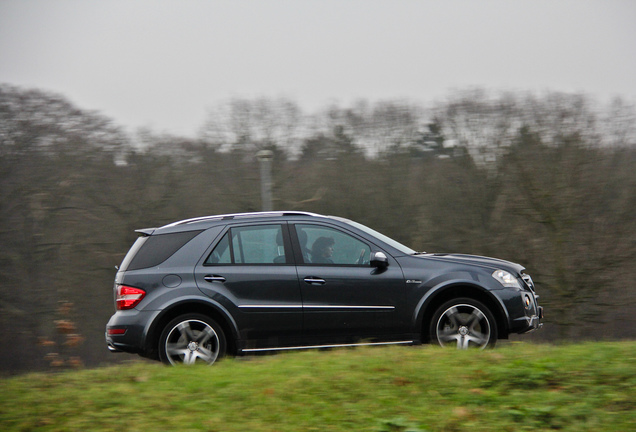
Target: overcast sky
x=162 y=64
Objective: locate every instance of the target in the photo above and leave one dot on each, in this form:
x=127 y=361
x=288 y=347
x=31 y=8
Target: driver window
x=322 y=245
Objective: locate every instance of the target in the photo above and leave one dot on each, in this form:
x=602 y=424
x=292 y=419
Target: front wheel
x=463 y=323
x=190 y=339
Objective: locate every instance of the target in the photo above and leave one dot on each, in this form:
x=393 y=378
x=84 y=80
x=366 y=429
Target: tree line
x=545 y=180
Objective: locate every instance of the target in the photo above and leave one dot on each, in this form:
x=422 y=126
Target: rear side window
x=156 y=249
x=132 y=252
x=262 y=244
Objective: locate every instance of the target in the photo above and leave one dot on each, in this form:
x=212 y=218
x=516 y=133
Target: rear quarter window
x=152 y=251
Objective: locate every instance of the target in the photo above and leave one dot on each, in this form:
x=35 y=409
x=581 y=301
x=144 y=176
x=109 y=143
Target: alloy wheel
x=463 y=326
x=192 y=341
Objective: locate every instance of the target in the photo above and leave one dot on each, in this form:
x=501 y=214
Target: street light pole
x=265 y=161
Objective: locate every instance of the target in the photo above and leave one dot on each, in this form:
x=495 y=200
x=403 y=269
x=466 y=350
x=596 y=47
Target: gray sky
x=162 y=64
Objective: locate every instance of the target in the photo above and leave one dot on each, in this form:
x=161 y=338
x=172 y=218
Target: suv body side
x=293 y=302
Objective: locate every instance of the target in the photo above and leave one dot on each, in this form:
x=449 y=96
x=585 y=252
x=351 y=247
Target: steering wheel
x=362 y=260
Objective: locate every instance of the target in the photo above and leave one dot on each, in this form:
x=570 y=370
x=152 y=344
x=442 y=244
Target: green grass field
x=581 y=387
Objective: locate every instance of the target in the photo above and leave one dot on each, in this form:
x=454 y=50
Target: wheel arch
x=211 y=310
x=442 y=294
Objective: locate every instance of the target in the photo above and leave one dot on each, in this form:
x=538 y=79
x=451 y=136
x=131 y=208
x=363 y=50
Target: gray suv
x=198 y=289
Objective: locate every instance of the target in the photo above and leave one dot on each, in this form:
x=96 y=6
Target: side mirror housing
x=379 y=260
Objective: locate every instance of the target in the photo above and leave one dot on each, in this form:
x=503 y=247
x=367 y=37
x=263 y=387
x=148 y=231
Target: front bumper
x=525 y=314
x=533 y=316
x=532 y=323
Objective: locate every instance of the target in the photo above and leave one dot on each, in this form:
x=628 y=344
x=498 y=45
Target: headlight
x=506 y=279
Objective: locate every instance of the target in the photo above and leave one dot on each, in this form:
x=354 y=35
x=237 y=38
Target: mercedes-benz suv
x=198 y=289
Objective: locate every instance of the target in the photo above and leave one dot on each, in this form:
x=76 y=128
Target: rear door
x=251 y=270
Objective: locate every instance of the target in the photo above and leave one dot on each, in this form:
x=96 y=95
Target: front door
x=344 y=298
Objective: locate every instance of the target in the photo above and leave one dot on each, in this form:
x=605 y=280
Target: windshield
x=388 y=240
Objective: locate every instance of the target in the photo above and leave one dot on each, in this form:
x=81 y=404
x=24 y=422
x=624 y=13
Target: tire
x=463 y=323
x=190 y=339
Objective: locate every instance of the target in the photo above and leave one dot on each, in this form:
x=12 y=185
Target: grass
x=582 y=387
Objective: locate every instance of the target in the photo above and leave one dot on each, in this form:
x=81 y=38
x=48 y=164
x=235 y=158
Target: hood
x=481 y=261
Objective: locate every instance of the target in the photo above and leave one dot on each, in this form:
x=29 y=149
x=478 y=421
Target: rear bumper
x=111 y=347
x=126 y=332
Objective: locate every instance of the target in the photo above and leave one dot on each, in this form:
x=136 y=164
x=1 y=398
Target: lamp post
x=265 y=161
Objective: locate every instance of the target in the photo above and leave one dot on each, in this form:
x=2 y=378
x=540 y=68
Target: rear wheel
x=463 y=323
x=190 y=339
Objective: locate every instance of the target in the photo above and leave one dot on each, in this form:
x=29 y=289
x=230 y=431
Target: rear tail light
x=128 y=297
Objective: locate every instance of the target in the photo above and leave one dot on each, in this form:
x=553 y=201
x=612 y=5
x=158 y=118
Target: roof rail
x=240 y=215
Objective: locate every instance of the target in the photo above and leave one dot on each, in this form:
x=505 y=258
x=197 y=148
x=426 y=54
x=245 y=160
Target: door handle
x=214 y=278
x=312 y=280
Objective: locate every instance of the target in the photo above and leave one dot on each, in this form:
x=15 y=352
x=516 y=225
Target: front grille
x=528 y=280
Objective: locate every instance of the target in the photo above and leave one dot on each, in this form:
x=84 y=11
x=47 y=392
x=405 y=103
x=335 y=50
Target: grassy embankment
x=582 y=387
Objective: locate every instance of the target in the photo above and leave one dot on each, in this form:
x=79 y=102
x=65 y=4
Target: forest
x=547 y=180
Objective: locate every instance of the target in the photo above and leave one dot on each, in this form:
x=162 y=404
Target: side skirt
x=248 y=350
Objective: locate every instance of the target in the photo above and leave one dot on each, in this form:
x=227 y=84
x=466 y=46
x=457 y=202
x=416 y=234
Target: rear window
x=152 y=251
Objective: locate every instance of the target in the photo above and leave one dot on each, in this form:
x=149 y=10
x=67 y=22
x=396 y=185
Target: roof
x=240 y=215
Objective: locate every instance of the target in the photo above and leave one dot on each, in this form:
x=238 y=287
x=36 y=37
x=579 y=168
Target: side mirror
x=379 y=260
